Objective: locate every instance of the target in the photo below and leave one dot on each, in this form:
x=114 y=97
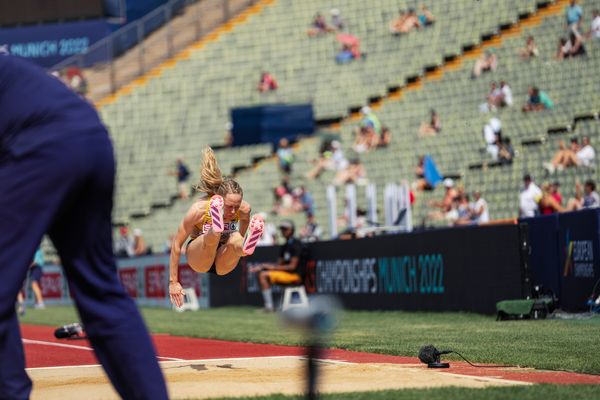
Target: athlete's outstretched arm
x=186 y=227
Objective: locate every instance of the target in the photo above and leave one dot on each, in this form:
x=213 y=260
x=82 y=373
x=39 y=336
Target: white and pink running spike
x=255 y=231
x=216 y=213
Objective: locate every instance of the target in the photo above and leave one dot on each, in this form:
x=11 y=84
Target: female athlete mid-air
x=218 y=225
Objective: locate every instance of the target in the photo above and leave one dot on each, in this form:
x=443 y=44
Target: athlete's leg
x=228 y=255
x=82 y=234
x=201 y=251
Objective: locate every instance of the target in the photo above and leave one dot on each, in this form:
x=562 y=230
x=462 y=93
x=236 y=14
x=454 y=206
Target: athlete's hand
x=176 y=293
x=245 y=210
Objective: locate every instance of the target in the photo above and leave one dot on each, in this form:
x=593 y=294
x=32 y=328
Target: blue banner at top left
x=47 y=45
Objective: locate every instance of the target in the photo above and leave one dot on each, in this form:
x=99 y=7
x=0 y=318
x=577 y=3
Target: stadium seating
x=185 y=108
x=190 y=102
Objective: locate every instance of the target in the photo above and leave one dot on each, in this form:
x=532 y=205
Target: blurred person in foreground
x=57 y=176
x=287 y=270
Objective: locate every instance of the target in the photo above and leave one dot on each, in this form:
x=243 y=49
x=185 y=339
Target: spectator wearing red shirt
x=267 y=83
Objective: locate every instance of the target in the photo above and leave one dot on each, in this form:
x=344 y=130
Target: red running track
x=41 y=350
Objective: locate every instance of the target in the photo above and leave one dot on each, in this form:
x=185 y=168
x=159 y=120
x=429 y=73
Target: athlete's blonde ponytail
x=210 y=173
x=211 y=179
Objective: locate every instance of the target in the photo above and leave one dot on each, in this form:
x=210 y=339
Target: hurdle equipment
x=190 y=301
x=294 y=297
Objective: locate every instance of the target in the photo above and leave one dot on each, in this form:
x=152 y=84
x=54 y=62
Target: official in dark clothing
x=57 y=177
x=288 y=269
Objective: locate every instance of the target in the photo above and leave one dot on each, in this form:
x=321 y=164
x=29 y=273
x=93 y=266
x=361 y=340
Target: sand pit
x=204 y=379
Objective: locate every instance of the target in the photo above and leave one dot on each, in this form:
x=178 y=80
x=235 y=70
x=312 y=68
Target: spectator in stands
x=574 y=16
x=182 y=173
x=486 y=63
x=493 y=98
x=124 y=246
x=319 y=26
x=479 y=212
x=284 y=201
x=421 y=183
x=550 y=203
x=267 y=83
x=406 y=22
x=492 y=133
x=537 y=101
x=529 y=198
x=139 y=244
x=355 y=172
x=426 y=18
x=365 y=140
x=573 y=47
x=348 y=53
x=370 y=120
x=586 y=155
x=507 y=96
x=461 y=212
x=498 y=97
x=285 y=156
x=530 y=50
x=431 y=128
x=426 y=173
x=269 y=235
x=595 y=28
x=574 y=156
x=385 y=138
x=336 y=19
x=506 y=152
x=311 y=232
x=332 y=158
x=288 y=268
x=303 y=200
x=588 y=199
x=444 y=207
x=228 y=141
x=75 y=79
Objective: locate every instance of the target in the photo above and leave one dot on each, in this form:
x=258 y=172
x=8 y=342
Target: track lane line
x=86 y=348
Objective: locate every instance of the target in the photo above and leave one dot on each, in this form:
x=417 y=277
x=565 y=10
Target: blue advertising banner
x=460 y=269
x=47 y=45
x=543 y=257
x=579 y=250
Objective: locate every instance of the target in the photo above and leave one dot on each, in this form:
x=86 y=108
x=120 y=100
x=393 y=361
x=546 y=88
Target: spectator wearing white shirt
x=529 y=198
x=479 y=209
x=586 y=154
x=575 y=156
x=507 y=96
x=595 y=31
x=332 y=159
x=492 y=133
